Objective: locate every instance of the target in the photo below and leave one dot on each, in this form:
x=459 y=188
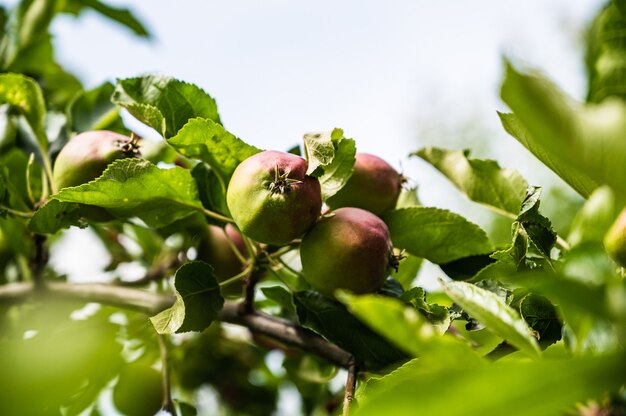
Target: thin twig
x=249 y=288
x=350 y=387
x=168 y=403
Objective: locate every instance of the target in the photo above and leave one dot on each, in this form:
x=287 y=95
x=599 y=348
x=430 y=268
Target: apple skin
x=374 y=186
x=615 y=240
x=349 y=249
x=273 y=211
x=87 y=155
x=215 y=249
x=138 y=391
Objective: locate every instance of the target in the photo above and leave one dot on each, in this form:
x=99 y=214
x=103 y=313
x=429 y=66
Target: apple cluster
x=274 y=202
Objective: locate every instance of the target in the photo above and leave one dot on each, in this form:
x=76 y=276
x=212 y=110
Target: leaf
x=483 y=181
x=577 y=179
x=512 y=388
x=541 y=236
x=604 y=59
x=588 y=138
x=595 y=217
x=119 y=15
x=136 y=187
x=331 y=158
x=208 y=141
x=198 y=301
x=282 y=297
x=24 y=94
x=55 y=216
x=334 y=322
x=212 y=191
x=495 y=314
x=541 y=315
x=318 y=149
x=408 y=269
x=164 y=103
x=408 y=198
x=400 y=324
x=337 y=173
x=467 y=267
x=93 y=110
x=439 y=316
x=436 y=234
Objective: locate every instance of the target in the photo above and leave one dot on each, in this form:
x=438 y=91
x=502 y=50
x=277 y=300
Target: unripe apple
x=87 y=155
x=615 y=240
x=374 y=186
x=216 y=250
x=349 y=249
x=139 y=390
x=272 y=199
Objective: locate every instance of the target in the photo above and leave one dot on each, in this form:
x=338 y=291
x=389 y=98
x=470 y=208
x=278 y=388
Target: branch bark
x=153 y=303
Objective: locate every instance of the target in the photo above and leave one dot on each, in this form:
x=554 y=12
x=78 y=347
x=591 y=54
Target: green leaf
x=495 y=314
x=24 y=94
x=436 y=234
x=119 y=15
x=577 y=179
x=93 y=110
x=595 y=217
x=512 y=388
x=604 y=58
x=136 y=187
x=439 y=316
x=541 y=236
x=198 y=301
x=331 y=158
x=541 y=315
x=587 y=139
x=318 y=150
x=164 y=103
x=55 y=216
x=208 y=141
x=400 y=324
x=483 y=181
x=211 y=189
x=282 y=297
x=408 y=269
x=334 y=322
x=408 y=198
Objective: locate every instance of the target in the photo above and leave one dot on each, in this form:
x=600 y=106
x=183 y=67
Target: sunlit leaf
x=198 y=301
x=483 y=181
x=164 y=103
x=436 y=234
x=135 y=187
x=494 y=313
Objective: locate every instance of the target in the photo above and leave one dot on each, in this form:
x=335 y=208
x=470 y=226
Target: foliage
x=533 y=326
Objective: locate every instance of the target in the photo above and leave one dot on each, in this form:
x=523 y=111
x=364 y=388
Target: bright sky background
x=395 y=75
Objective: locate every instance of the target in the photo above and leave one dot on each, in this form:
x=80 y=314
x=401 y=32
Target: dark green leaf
x=135 y=187
x=541 y=315
x=483 y=181
x=198 y=301
x=164 y=103
x=282 y=297
x=211 y=190
x=436 y=234
x=467 y=267
x=333 y=321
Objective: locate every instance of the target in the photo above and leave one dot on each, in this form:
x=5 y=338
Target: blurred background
x=395 y=76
